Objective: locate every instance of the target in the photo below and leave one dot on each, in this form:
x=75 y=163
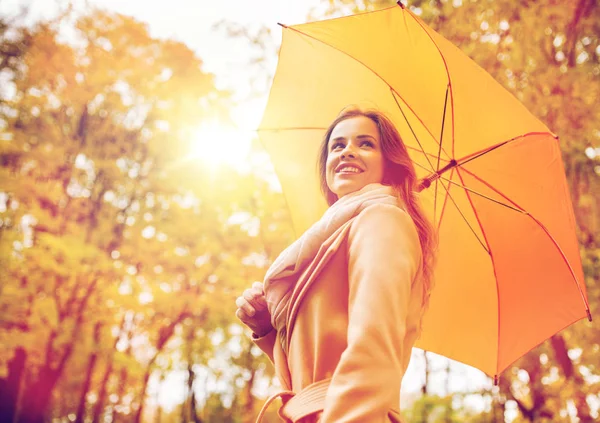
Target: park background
x=136 y=204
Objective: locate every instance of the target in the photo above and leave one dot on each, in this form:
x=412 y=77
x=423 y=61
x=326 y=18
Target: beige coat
x=354 y=318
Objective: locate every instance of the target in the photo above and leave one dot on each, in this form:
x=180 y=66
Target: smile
x=348 y=169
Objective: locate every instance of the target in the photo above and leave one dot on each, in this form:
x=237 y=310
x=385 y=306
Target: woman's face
x=354 y=156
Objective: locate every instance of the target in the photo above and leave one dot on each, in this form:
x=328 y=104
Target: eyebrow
x=362 y=136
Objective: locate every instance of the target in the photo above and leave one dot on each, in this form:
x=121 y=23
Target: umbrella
x=509 y=274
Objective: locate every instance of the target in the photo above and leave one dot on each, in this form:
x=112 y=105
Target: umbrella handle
x=426 y=182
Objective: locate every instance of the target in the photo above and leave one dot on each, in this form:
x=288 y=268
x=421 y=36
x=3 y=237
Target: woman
x=341 y=307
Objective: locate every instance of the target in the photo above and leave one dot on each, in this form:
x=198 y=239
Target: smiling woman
x=217 y=144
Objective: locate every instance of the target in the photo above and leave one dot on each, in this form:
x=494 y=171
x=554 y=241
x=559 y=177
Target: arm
x=266 y=342
x=383 y=258
x=254 y=313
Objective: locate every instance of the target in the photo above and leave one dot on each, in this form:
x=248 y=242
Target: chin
x=349 y=188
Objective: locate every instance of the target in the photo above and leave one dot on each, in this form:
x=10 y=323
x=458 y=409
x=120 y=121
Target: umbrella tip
x=282 y=25
x=589 y=315
x=400 y=4
x=496 y=380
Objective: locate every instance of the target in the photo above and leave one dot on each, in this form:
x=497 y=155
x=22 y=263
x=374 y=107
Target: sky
x=193 y=22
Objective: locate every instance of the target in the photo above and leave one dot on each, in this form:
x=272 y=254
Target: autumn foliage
x=121 y=257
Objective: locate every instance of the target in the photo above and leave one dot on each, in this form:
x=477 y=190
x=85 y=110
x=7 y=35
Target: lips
x=348 y=168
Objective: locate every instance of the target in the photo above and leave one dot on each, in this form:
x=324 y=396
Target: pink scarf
x=282 y=276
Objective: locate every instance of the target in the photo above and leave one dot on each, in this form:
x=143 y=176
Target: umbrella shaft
x=426 y=182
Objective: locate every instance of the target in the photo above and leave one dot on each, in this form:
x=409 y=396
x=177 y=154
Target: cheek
x=328 y=171
x=329 y=165
x=380 y=165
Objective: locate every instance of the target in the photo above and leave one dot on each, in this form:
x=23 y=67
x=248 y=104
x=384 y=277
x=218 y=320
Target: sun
x=217 y=144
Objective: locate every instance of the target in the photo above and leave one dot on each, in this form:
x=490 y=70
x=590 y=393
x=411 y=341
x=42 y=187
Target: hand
x=252 y=310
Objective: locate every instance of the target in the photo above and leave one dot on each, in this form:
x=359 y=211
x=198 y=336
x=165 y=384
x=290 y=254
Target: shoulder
x=383 y=238
x=384 y=222
x=383 y=228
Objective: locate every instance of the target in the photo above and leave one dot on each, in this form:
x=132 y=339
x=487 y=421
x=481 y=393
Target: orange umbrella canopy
x=509 y=273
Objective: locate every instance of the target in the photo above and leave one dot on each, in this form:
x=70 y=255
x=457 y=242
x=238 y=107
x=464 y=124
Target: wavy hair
x=399 y=173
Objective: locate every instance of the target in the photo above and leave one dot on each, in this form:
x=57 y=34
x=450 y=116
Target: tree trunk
x=99 y=407
x=37 y=396
x=426 y=381
x=448 y=413
x=11 y=386
x=164 y=334
x=539 y=408
x=88 y=377
x=187 y=411
x=248 y=410
x=85 y=389
x=424 y=387
x=158 y=417
x=187 y=388
x=559 y=346
x=120 y=393
x=140 y=410
x=498 y=408
x=194 y=407
x=193 y=412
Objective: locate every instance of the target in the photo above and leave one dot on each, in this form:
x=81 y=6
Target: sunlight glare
x=217 y=144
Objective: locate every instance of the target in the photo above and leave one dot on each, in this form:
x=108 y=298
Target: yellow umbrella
x=509 y=274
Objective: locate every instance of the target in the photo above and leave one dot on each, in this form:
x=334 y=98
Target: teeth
x=350 y=170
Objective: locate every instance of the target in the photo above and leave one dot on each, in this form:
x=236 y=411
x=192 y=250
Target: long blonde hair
x=399 y=173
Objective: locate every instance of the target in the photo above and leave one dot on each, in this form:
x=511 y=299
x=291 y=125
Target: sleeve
x=266 y=343
x=383 y=258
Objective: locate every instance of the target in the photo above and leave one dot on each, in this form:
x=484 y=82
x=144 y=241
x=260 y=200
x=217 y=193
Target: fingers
x=255 y=297
x=250 y=302
x=244 y=305
x=241 y=314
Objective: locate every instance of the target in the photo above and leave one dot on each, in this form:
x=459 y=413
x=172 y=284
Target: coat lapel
x=327 y=250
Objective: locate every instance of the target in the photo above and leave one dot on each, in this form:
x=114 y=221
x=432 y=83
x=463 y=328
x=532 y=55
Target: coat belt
x=296 y=406
x=308 y=401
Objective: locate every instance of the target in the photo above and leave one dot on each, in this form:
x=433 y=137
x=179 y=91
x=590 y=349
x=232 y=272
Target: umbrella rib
x=485 y=196
x=442 y=130
x=435 y=198
x=464 y=218
x=516 y=208
x=495 y=275
x=447 y=189
x=426 y=182
x=497 y=191
x=439 y=152
x=445 y=202
x=375 y=73
x=480 y=153
x=424 y=153
x=411 y=130
x=485 y=151
x=420 y=165
x=435 y=194
x=367 y=12
x=547 y=232
x=445 y=66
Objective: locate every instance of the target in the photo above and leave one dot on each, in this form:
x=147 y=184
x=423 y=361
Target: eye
x=337 y=145
x=367 y=143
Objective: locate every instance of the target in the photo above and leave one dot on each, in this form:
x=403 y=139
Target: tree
x=87 y=153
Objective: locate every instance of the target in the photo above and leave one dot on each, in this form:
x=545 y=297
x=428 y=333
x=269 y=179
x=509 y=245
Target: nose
x=348 y=152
